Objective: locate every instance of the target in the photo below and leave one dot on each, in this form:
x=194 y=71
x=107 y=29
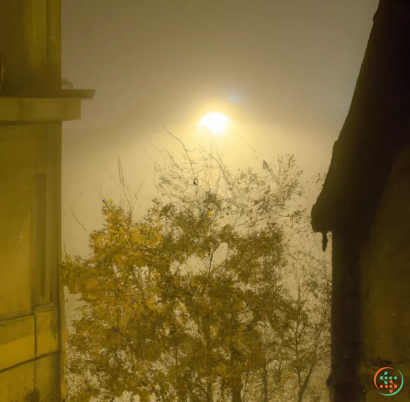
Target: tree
x=309 y=342
x=189 y=303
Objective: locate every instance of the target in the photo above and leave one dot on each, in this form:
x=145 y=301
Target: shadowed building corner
x=32 y=109
x=365 y=203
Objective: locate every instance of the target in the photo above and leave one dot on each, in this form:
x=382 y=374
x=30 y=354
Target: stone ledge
x=39 y=109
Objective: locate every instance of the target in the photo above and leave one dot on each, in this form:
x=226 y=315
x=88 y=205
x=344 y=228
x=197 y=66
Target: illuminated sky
x=283 y=71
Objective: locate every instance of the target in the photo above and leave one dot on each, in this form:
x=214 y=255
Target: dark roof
x=376 y=127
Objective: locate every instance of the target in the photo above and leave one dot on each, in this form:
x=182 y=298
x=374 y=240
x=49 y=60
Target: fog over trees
x=219 y=291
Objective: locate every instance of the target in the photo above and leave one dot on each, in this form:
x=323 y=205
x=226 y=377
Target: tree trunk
x=236 y=389
x=302 y=389
x=209 y=385
x=265 y=383
x=209 y=391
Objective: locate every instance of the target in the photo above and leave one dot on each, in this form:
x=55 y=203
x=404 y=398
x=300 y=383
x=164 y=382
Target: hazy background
x=283 y=71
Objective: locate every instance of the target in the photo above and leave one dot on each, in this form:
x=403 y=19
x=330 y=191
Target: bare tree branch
x=81 y=194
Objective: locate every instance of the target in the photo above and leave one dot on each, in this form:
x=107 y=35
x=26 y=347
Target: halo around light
x=215 y=122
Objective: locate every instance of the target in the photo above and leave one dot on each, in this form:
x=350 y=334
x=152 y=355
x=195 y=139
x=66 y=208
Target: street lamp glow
x=214 y=122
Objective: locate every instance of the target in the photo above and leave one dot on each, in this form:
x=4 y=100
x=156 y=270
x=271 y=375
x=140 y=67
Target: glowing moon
x=214 y=122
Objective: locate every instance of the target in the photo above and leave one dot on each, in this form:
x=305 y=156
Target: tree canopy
x=190 y=302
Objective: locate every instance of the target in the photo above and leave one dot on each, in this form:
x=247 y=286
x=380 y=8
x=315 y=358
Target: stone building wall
x=32 y=109
x=29 y=258
x=385 y=285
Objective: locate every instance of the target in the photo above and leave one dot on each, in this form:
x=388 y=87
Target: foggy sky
x=284 y=71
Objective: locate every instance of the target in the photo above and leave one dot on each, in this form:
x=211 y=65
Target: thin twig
x=81 y=194
x=244 y=141
x=183 y=145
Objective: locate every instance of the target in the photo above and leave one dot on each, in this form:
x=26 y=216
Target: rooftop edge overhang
x=376 y=128
x=64 y=105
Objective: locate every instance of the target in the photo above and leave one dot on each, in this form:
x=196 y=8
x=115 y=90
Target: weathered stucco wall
x=32 y=108
x=29 y=257
x=385 y=285
x=30 y=46
x=31 y=348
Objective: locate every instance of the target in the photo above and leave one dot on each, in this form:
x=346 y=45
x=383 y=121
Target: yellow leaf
x=151 y=305
x=92 y=284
